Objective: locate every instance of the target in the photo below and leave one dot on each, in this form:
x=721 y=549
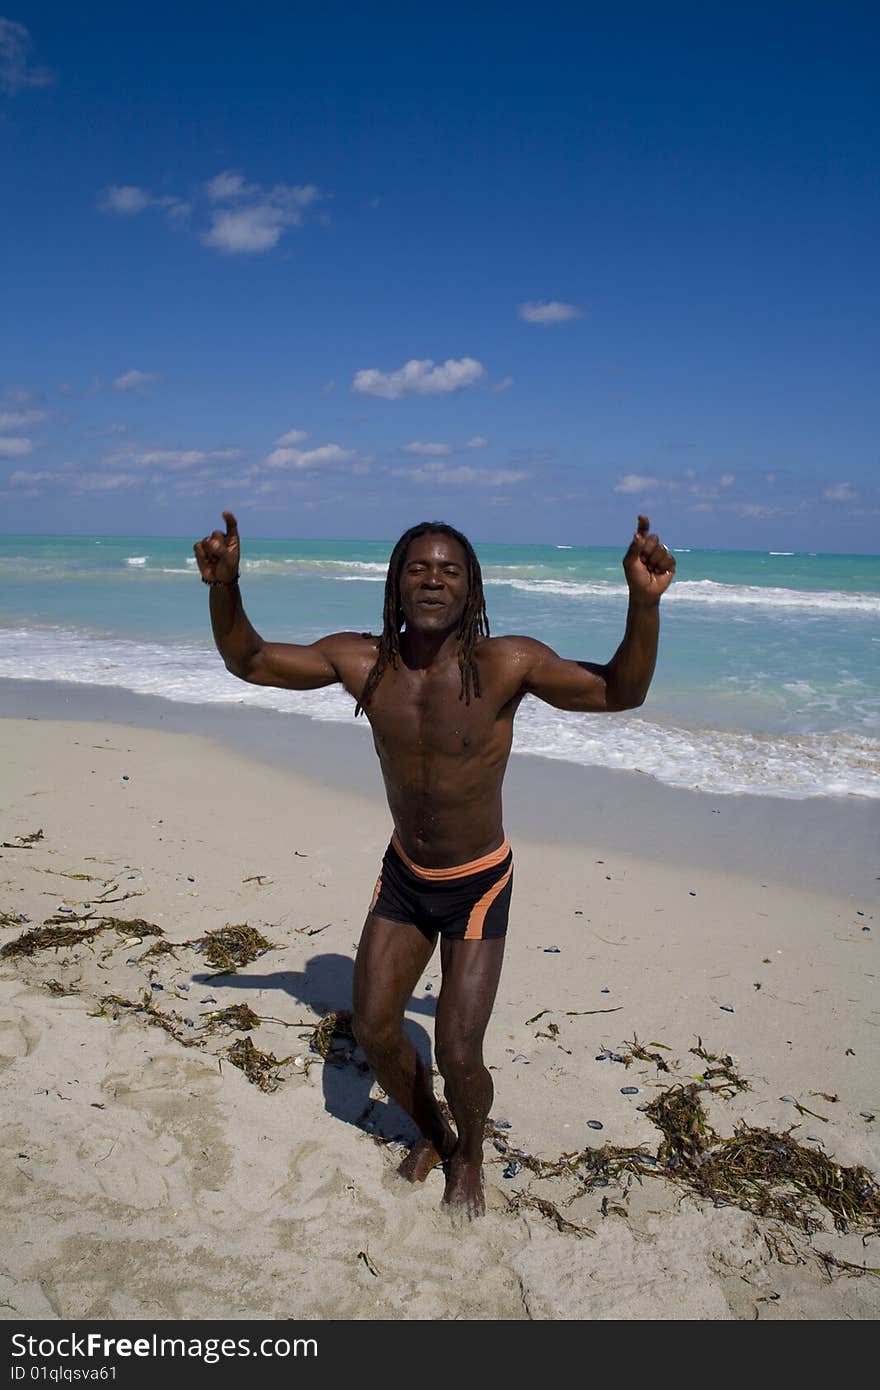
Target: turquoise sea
x=767 y=680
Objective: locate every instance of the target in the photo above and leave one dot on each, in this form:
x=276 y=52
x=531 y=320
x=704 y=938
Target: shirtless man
x=440 y=695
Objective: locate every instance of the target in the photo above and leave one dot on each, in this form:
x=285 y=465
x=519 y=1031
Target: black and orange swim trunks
x=470 y=902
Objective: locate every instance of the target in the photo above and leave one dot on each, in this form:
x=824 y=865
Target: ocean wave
x=721 y=761
x=709 y=591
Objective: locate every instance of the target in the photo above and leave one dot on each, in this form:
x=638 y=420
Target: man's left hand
x=648 y=565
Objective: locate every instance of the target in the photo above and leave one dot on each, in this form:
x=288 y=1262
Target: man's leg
x=391 y=956
x=471 y=970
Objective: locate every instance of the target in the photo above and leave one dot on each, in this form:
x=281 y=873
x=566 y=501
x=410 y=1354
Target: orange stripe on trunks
x=474 y=930
x=475 y=866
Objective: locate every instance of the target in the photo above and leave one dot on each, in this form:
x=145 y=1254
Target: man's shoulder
x=510 y=649
x=350 y=646
x=510 y=642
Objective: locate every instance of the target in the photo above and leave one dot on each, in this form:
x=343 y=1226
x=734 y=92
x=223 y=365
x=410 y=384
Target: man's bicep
x=565 y=684
x=293 y=667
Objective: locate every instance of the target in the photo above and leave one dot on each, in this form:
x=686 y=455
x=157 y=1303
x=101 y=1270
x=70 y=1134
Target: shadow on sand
x=326 y=986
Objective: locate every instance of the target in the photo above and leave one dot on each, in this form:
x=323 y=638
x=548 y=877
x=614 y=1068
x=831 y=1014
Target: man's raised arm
x=622 y=683
x=242 y=648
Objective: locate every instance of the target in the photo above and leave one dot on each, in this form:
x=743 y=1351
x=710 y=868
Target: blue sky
x=343 y=276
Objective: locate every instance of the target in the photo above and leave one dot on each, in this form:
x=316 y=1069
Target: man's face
x=434 y=583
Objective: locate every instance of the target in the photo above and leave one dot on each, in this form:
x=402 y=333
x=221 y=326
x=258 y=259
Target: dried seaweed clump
x=679 y=1116
x=773 y=1175
x=720 y=1068
x=113 y=1004
x=262 y=1068
x=233 y=946
x=57 y=932
x=239 y=1016
x=49 y=938
x=332 y=1029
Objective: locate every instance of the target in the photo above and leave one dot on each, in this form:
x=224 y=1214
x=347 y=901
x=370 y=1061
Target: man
x=441 y=696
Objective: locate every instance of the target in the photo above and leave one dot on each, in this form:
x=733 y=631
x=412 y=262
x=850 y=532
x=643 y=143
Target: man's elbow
x=244 y=670
x=619 y=703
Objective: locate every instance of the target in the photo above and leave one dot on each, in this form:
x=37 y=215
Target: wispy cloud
x=16 y=70
x=840 y=492
x=419 y=377
x=549 y=311
x=503 y=385
x=134 y=380
x=461 y=475
x=292 y=437
x=127 y=199
x=637 y=482
x=11 y=448
x=252 y=218
x=477 y=441
x=242 y=217
x=420 y=447
x=309 y=458
x=20 y=419
x=183 y=458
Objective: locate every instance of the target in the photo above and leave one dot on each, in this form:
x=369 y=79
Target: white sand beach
x=145 y=1176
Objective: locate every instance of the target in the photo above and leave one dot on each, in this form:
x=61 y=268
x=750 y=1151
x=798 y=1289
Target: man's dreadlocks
x=474 y=622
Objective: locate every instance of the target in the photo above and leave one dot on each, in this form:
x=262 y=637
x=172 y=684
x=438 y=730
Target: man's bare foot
x=464 y=1189
x=419 y=1162
x=425 y=1156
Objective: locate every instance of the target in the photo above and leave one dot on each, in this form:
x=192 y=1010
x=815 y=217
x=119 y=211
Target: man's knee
x=459 y=1056
x=378 y=1034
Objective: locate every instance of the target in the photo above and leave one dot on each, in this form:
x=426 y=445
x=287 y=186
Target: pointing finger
x=643 y=526
x=231 y=525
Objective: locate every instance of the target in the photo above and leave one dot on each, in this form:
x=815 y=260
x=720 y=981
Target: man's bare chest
x=417 y=712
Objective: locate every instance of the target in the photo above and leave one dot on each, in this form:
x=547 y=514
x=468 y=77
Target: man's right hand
x=218 y=555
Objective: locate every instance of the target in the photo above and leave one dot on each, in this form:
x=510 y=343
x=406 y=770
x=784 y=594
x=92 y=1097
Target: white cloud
x=16 y=72
x=309 y=458
x=419 y=447
x=126 y=199
x=419 y=377
x=106 y=482
x=727 y=479
x=840 y=492
x=183 y=458
x=292 y=437
x=549 y=311
x=635 y=482
x=245 y=230
x=229 y=186
x=260 y=216
x=503 y=385
x=22 y=478
x=477 y=441
x=133 y=380
x=14 y=448
x=755 y=511
x=20 y=419
x=463 y=474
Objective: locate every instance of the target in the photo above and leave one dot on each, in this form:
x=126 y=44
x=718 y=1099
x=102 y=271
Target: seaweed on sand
x=236 y=1016
x=57 y=932
x=233 y=946
x=113 y=1004
x=638 y=1052
x=548 y=1210
x=49 y=938
x=334 y=1028
x=262 y=1068
x=720 y=1067
x=24 y=841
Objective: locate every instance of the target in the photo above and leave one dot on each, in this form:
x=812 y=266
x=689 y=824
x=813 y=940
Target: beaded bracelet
x=223 y=583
